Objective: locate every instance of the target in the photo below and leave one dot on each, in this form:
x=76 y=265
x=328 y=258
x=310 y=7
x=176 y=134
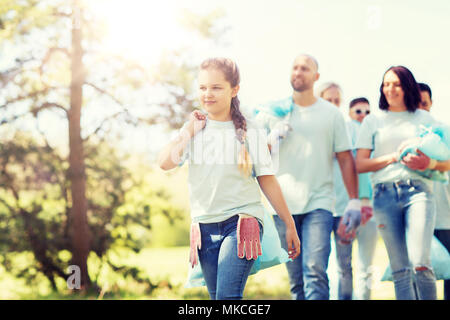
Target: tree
x=36 y=83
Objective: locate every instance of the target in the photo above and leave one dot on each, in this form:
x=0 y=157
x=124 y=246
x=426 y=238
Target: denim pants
x=224 y=272
x=367 y=239
x=405 y=214
x=344 y=264
x=308 y=273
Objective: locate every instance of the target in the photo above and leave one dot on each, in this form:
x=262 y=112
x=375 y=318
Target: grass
x=169 y=268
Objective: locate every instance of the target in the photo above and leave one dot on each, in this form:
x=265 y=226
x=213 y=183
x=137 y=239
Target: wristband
x=432 y=164
x=354 y=204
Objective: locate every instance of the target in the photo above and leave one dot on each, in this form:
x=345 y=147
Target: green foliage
x=35 y=206
x=21 y=17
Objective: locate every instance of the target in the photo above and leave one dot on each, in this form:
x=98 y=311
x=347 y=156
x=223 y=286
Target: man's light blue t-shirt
x=304 y=162
x=217 y=189
x=384 y=133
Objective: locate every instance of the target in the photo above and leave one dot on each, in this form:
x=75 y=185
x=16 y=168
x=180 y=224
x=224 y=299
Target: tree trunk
x=77 y=175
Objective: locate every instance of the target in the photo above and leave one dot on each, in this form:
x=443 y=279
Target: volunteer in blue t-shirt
x=312 y=131
x=403 y=202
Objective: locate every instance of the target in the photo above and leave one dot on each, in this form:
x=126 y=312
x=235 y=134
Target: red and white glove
x=196 y=244
x=248 y=242
x=366 y=211
x=344 y=236
x=419 y=162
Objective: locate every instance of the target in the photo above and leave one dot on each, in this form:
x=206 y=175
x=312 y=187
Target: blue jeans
x=308 y=273
x=405 y=214
x=344 y=264
x=367 y=239
x=224 y=272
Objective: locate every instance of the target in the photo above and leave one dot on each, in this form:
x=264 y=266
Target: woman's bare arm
x=366 y=164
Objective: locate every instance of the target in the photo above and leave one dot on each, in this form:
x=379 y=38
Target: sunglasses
x=359 y=111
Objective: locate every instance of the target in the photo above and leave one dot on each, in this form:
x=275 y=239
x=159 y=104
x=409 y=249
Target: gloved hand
x=196 y=244
x=345 y=237
x=350 y=221
x=279 y=132
x=366 y=211
x=248 y=241
x=197 y=121
x=406 y=144
x=419 y=162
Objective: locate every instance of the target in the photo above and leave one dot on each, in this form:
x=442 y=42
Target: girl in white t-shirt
x=224 y=152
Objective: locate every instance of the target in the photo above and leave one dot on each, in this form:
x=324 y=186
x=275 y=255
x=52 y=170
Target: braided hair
x=231 y=73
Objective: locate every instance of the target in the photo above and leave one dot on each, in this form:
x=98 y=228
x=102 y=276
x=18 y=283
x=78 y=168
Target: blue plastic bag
x=279 y=109
x=435 y=143
x=440 y=261
x=272 y=254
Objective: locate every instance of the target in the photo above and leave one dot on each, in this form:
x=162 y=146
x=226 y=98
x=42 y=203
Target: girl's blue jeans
x=224 y=272
x=405 y=214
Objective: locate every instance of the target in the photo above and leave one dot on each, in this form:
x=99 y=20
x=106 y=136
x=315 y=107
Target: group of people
x=312 y=166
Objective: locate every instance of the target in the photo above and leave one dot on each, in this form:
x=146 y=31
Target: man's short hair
x=314 y=60
x=358 y=100
x=425 y=87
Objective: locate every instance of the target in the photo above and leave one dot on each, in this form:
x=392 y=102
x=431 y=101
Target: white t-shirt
x=384 y=133
x=217 y=189
x=304 y=163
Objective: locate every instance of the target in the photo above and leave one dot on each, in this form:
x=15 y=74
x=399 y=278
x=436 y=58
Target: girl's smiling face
x=215 y=93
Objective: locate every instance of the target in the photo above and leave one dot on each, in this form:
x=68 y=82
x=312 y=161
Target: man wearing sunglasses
x=359 y=109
